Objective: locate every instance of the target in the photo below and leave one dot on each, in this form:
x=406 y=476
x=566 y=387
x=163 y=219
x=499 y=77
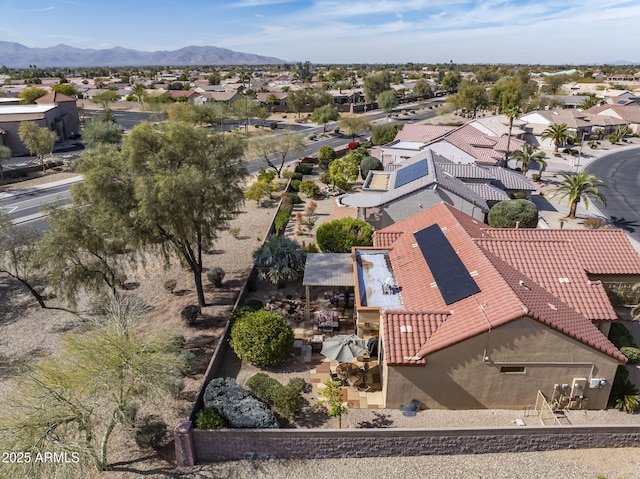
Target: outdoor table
x=348 y=370
x=328 y=319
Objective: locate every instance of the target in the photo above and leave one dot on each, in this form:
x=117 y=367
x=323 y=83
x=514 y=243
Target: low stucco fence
x=234 y=444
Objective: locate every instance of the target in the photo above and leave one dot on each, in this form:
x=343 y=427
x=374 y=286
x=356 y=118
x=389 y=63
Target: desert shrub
x=369 y=163
x=385 y=133
x=294 y=185
x=208 y=418
x=238 y=313
x=237 y=405
x=326 y=155
x=262 y=337
x=266 y=175
x=304 y=168
x=188 y=361
x=594 y=223
x=294 y=198
x=215 y=276
x=519 y=195
x=291 y=174
x=353 y=145
x=309 y=188
x=264 y=387
x=175 y=386
x=310 y=248
x=235 y=232
x=620 y=336
x=339 y=236
x=281 y=219
x=624 y=394
x=189 y=314
x=513 y=213
x=299 y=384
x=170 y=285
x=151 y=435
x=632 y=354
x=288 y=401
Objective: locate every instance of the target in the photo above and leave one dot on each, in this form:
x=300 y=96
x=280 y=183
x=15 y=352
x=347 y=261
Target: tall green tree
x=82 y=251
x=296 y=100
x=422 y=89
x=98 y=131
x=472 y=96
x=140 y=92
x=373 y=85
x=576 y=187
x=387 y=100
x=303 y=72
x=325 y=114
x=66 y=89
x=451 y=81
x=38 y=140
x=274 y=149
x=5 y=154
x=174 y=187
x=18 y=251
x=528 y=155
x=247 y=108
x=558 y=133
x=29 y=95
x=75 y=401
x=354 y=125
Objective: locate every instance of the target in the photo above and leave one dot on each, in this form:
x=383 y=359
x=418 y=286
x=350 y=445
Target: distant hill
x=15 y=55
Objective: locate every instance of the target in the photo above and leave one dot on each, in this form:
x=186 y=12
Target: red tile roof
x=54 y=97
x=497 y=266
x=599 y=252
x=422 y=133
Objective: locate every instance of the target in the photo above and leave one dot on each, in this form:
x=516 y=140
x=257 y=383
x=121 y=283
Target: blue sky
x=342 y=31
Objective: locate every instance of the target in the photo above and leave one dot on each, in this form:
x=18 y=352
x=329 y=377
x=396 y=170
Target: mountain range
x=15 y=55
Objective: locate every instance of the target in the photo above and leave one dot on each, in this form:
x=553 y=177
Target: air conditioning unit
x=596 y=383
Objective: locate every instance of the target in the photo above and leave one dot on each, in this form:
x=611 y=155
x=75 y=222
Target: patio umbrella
x=344 y=348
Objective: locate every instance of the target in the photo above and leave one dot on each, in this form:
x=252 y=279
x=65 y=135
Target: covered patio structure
x=327 y=270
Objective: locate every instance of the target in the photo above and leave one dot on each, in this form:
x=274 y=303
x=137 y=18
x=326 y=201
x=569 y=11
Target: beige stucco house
x=474 y=317
x=55 y=111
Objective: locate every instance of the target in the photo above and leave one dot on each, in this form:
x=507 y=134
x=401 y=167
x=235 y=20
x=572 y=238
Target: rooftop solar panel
x=411 y=173
x=451 y=275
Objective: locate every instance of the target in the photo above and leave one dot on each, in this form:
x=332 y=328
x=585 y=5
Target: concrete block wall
x=210 y=446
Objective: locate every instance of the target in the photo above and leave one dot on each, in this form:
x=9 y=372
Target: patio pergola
x=327 y=270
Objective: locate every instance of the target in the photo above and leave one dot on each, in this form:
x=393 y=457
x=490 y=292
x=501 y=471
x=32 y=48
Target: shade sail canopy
x=344 y=348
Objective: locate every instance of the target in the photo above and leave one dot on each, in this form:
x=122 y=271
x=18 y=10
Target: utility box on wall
x=578 y=386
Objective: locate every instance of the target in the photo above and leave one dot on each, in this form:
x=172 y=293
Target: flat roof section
x=379 y=181
x=377 y=284
x=21 y=109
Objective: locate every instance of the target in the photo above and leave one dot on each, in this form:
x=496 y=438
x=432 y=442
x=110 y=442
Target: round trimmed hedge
x=513 y=213
x=339 y=236
x=262 y=337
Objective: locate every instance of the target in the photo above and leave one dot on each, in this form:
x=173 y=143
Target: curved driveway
x=621 y=174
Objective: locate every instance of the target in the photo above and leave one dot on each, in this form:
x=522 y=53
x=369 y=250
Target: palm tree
x=558 y=133
x=529 y=155
x=578 y=187
x=588 y=102
x=512 y=112
x=139 y=91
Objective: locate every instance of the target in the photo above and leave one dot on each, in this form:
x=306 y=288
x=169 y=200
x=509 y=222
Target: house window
x=512 y=369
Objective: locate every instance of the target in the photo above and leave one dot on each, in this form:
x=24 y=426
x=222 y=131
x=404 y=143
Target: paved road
x=621 y=173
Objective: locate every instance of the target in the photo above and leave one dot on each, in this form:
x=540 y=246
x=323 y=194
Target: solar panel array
x=450 y=273
x=411 y=173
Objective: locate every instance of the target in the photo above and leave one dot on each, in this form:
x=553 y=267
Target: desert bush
x=264 y=387
x=237 y=405
x=262 y=337
x=353 y=145
x=385 y=133
x=288 y=401
x=266 y=175
x=513 y=213
x=624 y=394
x=189 y=314
x=170 y=285
x=326 y=155
x=294 y=185
x=325 y=177
x=238 y=313
x=188 y=361
x=215 y=276
x=151 y=435
x=235 y=232
x=369 y=163
x=339 y=236
x=299 y=384
x=208 y=418
x=294 y=198
x=309 y=188
x=304 y=168
x=310 y=248
x=632 y=354
x=281 y=219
